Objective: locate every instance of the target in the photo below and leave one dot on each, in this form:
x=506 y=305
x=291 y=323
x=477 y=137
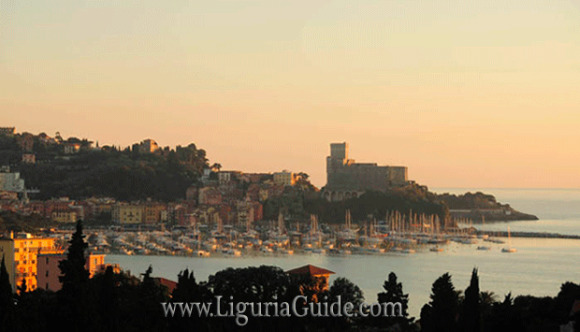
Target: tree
x=74 y=274
x=108 y=302
x=23 y=288
x=76 y=300
x=151 y=294
x=394 y=294
x=504 y=317
x=442 y=310
x=6 y=299
x=347 y=291
x=470 y=320
x=188 y=290
x=425 y=318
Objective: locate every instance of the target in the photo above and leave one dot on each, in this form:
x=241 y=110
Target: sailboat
x=509 y=248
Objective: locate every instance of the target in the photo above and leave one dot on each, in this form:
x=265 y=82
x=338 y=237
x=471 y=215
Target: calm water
x=538 y=268
x=558 y=209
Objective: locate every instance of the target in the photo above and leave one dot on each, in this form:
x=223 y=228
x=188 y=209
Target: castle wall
x=345 y=177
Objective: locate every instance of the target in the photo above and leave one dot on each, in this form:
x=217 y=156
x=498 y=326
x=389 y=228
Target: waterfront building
x=153 y=213
x=123 y=213
x=49 y=271
x=21 y=254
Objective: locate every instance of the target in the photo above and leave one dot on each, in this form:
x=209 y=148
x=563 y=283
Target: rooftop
x=310 y=270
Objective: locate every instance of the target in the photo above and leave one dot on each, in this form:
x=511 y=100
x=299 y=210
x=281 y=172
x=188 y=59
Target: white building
x=11 y=182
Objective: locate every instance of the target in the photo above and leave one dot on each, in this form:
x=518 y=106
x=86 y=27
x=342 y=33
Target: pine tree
x=394 y=294
x=471 y=309
x=444 y=306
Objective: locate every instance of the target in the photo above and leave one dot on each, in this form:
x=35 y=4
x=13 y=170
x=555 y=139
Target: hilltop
x=78 y=169
x=75 y=168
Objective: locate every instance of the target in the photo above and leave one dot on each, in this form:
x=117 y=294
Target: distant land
x=80 y=169
x=479 y=207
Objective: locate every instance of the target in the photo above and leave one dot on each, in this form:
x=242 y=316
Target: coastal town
x=224 y=213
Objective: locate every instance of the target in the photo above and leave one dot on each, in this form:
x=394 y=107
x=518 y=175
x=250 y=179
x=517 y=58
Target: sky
x=464 y=93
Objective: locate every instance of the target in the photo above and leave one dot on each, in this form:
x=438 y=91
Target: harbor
x=397 y=234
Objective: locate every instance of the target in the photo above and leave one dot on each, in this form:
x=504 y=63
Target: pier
x=530 y=235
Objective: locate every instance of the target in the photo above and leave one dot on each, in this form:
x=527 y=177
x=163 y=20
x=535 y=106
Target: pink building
x=48 y=270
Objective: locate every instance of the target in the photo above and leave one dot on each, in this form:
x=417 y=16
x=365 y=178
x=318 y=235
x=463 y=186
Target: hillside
x=85 y=171
x=479 y=207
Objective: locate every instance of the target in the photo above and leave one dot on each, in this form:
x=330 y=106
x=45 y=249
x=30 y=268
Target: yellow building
x=21 y=255
x=64 y=216
x=153 y=213
x=128 y=214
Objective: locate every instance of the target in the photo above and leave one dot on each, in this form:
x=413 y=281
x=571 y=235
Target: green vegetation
x=479 y=207
x=124 y=174
x=469 y=200
x=297 y=203
x=131 y=174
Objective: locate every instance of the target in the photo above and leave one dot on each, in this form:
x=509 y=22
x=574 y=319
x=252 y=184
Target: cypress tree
x=76 y=302
x=74 y=274
x=471 y=309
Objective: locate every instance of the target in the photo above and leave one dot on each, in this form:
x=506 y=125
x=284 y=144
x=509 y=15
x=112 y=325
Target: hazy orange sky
x=465 y=93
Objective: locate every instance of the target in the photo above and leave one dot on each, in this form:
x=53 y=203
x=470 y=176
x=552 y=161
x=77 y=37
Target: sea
x=539 y=267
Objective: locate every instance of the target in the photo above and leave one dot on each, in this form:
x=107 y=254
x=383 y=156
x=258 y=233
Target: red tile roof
x=170 y=284
x=310 y=270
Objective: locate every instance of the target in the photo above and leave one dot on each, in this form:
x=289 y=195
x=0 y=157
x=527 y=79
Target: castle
x=347 y=179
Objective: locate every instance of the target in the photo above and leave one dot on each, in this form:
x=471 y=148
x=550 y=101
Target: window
x=47 y=274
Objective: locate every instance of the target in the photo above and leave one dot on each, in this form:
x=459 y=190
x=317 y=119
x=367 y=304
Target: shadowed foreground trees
x=120 y=302
x=440 y=314
x=394 y=294
x=471 y=308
